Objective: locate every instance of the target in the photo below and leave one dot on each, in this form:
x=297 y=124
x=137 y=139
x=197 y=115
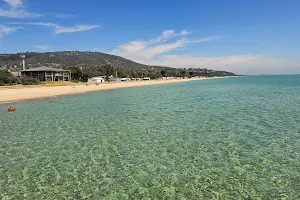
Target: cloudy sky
x=246 y=37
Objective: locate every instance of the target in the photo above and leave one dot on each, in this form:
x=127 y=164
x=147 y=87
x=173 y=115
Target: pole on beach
x=23 y=62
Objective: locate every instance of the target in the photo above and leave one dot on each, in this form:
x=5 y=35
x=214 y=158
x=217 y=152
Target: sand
x=19 y=93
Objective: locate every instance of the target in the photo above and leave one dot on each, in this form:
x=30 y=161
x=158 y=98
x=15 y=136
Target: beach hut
x=98 y=79
x=125 y=79
x=146 y=79
x=114 y=80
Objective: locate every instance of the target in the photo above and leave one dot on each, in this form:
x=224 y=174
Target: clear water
x=235 y=138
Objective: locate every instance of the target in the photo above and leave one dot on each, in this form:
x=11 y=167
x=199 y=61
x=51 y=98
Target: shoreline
x=13 y=94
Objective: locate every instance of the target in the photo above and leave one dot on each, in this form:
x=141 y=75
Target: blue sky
x=246 y=37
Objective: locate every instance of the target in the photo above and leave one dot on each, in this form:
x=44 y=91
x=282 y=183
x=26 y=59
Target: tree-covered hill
x=96 y=63
x=66 y=58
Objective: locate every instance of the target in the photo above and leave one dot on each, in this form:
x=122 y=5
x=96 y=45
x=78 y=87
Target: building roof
x=44 y=69
x=15 y=73
x=98 y=78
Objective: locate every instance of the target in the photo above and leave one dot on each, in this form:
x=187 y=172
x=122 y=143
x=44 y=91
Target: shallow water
x=234 y=138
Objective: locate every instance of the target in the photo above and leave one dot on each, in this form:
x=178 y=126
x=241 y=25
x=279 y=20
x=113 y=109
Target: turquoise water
x=235 y=138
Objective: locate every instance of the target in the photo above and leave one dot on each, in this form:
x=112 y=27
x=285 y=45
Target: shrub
x=6 y=78
x=29 y=81
x=77 y=81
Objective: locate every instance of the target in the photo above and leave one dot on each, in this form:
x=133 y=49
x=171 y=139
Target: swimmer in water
x=51 y=101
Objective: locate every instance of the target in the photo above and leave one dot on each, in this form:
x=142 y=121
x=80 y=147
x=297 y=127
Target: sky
x=245 y=37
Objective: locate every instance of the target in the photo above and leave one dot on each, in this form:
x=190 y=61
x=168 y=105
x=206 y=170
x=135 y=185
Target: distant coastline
x=20 y=93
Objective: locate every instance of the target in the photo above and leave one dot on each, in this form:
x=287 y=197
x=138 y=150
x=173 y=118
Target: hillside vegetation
x=66 y=58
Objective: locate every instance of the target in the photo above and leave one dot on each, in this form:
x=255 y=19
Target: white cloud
x=185 y=32
x=65 y=16
x=57 y=29
x=146 y=50
x=48 y=24
x=168 y=34
x=5 y=30
x=241 y=64
x=18 y=14
x=187 y=61
x=14 y=3
x=16 y=10
x=158 y=52
x=42 y=47
x=205 y=39
x=162 y=48
x=77 y=28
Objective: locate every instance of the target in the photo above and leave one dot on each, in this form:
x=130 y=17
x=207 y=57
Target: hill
x=92 y=62
x=66 y=58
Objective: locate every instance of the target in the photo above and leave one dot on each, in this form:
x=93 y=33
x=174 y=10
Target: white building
x=97 y=80
x=125 y=79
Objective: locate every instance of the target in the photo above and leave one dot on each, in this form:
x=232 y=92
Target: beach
x=19 y=93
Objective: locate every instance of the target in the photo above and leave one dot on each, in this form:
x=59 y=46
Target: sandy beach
x=19 y=93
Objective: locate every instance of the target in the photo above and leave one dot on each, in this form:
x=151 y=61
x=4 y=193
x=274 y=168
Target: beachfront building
x=146 y=79
x=47 y=74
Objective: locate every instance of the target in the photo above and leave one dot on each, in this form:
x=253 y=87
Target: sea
x=230 y=138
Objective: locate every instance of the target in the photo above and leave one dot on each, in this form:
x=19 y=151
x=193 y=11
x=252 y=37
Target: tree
x=76 y=72
x=182 y=72
x=6 y=78
x=163 y=72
